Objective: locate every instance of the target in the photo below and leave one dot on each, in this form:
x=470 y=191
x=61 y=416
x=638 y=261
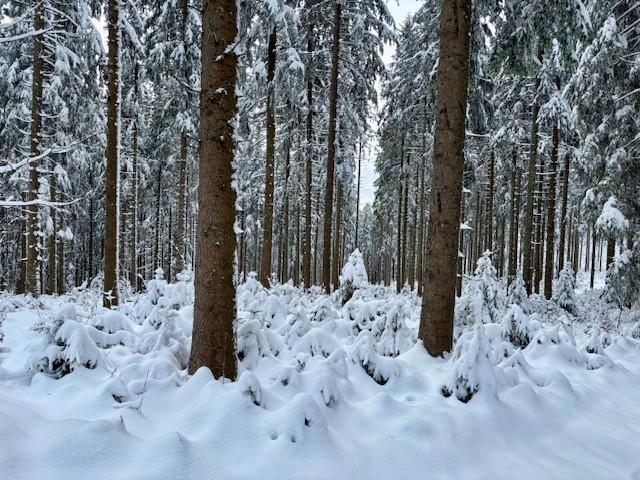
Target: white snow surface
x=307 y=408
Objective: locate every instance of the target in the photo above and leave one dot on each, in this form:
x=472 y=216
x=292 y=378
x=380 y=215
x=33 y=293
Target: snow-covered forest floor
x=325 y=391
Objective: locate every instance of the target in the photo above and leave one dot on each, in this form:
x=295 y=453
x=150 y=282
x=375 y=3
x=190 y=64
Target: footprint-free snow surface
x=325 y=391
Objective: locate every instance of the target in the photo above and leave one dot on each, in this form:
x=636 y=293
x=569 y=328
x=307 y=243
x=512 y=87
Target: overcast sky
x=399 y=9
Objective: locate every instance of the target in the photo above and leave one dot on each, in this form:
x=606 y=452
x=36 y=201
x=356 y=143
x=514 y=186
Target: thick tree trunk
x=214 y=310
x=331 y=148
x=267 y=244
x=112 y=216
x=33 y=245
x=436 y=322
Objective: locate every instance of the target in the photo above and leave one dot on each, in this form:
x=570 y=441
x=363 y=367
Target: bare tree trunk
x=527 y=268
x=156 y=254
x=399 y=252
x=358 y=192
x=436 y=322
x=134 y=196
x=611 y=250
x=91 y=230
x=214 y=310
x=296 y=267
x=551 y=219
x=335 y=263
x=61 y=258
x=460 y=242
x=285 y=233
x=563 y=214
x=593 y=257
x=423 y=213
x=405 y=220
x=331 y=148
x=112 y=216
x=33 y=245
x=22 y=282
x=492 y=186
x=52 y=238
x=306 y=264
x=267 y=244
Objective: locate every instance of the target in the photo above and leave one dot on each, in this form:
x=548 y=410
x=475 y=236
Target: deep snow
x=307 y=404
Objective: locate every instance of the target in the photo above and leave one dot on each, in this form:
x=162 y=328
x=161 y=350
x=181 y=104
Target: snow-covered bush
x=517 y=326
x=323 y=314
x=390 y=329
x=472 y=370
x=624 y=275
x=378 y=367
x=67 y=345
x=485 y=299
x=353 y=276
x=564 y=290
x=517 y=294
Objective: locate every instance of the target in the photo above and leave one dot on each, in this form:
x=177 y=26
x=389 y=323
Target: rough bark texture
x=214 y=310
x=438 y=301
x=527 y=264
x=306 y=264
x=331 y=149
x=33 y=250
x=551 y=219
x=134 y=197
x=265 y=272
x=51 y=289
x=563 y=214
x=112 y=216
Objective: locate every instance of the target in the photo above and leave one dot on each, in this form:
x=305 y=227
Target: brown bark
x=112 y=217
x=423 y=213
x=33 y=246
x=358 y=192
x=405 y=221
x=134 y=195
x=551 y=219
x=436 y=322
x=331 y=148
x=400 y=217
x=156 y=252
x=267 y=244
x=285 y=234
x=52 y=238
x=337 y=233
x=527 y=264
x=214 y=310
x=306 y=264
x=563 y=214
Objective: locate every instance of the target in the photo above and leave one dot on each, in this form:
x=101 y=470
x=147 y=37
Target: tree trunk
x=52 y=238
x=306 y=264
x=214 y=310
x=134 y=197
x=563 y=214
x=335 y=263
x=492 y=186
x=593 y=256
x=358 y=192
x=91 y=231
x=551 y=219
x=22 y=282
x=267 y=245
x=285 y=233
x=436 y=322
x=331 y=148
x=611 y=250
x=33 y=245
x=112 y=216
x=423 y=213
x=527 y=266
x=405 y=221
x=156 y=254
x=399 y=252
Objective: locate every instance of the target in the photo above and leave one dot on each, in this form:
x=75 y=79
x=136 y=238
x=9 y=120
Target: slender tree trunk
x=611 y=250
x=112 y=216
x=331 y=148
x=306 y=264
x=511 y=269
x=358 y=192
x=460 y=243
x=52 y=238
x=134 y=196
x=412 y=235
x=61 y=259
x=92 y=247
x=593 y=257
x=399 y=252
x=551 y=219
x=527 y=268
x=405 y=220
x=296 y=268
x=267 y=245
x=436 y=322
x=22 y=282
x=563 y=214
x=285 y=233
x=214 y=310
x=335 y=263
x=156 y=254
x=423 y=213
x=492 y=186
